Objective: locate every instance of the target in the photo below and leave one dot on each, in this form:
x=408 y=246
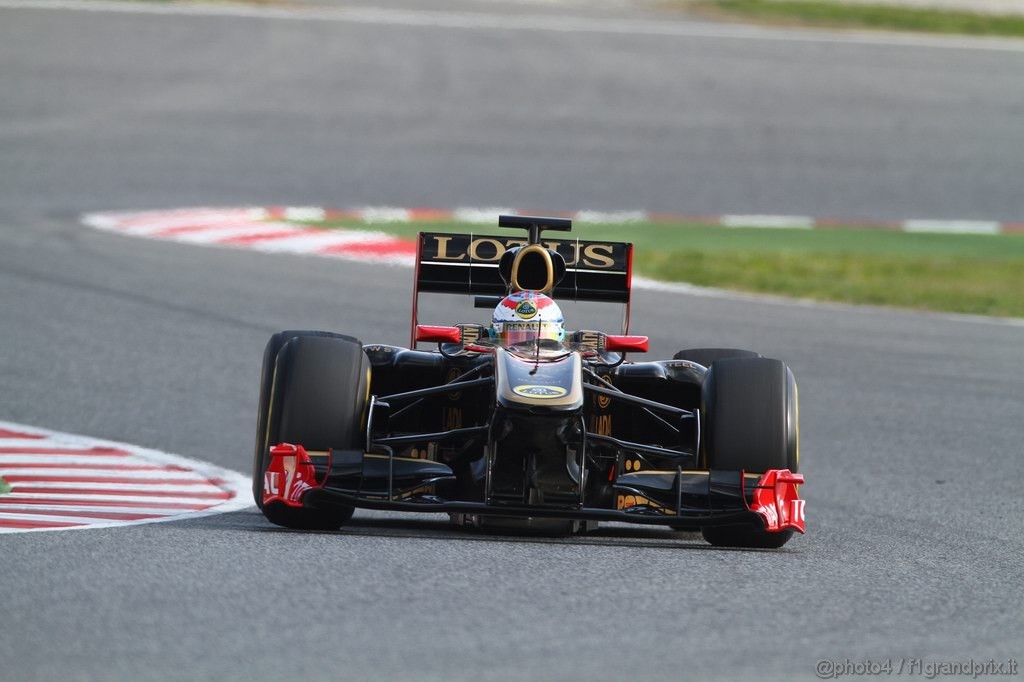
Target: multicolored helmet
x=527 y=316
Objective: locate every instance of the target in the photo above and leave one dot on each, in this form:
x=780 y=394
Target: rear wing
x=468 y=264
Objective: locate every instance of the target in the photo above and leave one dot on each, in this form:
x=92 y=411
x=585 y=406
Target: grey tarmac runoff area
x=911 y=423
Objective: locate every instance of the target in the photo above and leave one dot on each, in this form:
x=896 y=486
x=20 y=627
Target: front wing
x=680 y=499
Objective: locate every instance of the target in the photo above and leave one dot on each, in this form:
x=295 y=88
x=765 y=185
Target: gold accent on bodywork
x=397 y=459
x=604 y=401
x=623 y=501
x=363 y=418
x=452 y=418
x=601 y=424
x=534 y=248
x=453 y=374
x=796 y=397
x=270 y=417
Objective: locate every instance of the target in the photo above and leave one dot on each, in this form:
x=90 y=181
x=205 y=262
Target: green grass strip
x=5 y=487
x=976 y=274
x=881 y=16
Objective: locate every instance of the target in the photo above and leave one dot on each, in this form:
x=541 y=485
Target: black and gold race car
x=523 y=425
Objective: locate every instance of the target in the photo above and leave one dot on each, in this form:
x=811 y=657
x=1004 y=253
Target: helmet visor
x=522 y=332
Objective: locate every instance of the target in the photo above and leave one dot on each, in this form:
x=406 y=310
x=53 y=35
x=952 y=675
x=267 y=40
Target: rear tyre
x=749 y=409
x=705 y=356
x=317 y=398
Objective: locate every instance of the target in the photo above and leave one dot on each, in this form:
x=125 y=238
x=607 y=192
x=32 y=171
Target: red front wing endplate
x=289 y=475
x=777 y=501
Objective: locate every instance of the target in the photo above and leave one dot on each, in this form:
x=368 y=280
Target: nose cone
x=552 y=385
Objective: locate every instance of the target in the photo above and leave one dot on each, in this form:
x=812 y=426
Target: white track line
x=198 y=488
x=241 y=228
x=525 y=22
x=78 y=518
x=484 y=216
x=66 y=460
x=146 y=222
x=385 y=214
x=787 y=222
x=308 y=242
x=310 y=213
x=218 y=233
x=393 y=251
x=91 y=474
x=155 y=509
x=614 y=217
x=685 y=289
x=206 y=502
x=953 y=226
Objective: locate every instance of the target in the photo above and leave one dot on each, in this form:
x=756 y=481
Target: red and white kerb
x=62 y=481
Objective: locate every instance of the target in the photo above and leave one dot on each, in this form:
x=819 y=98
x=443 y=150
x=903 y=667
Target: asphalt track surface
x=911 y=423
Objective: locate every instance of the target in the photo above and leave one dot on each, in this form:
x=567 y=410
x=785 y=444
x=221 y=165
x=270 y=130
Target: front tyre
x=261 y=456
x=705 y=356
x=750 y=410
x=317 y=398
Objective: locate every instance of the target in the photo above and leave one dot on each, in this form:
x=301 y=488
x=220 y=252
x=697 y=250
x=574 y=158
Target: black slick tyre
x=705 y=356
x=261 y=456
x=317 y=398
x=750 y=421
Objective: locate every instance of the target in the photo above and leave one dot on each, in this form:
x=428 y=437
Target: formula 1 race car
x=522 y=425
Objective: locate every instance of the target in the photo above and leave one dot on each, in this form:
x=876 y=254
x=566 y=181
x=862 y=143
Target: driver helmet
x=527 y=316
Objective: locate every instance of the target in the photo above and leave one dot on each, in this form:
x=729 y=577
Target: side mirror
x=626 y=344
x=432 y=334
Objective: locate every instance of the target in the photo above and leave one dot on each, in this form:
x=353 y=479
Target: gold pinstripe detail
x=397 y=459
x=270 y=417
x=662 y=472
x=366 y=398
x=534 y=248
x=796 y=397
